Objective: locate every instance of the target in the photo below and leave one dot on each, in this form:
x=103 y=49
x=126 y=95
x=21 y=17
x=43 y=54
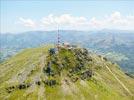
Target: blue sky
x=23 y=15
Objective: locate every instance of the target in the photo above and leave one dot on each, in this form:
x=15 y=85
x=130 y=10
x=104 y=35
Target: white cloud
x=114 y=21
x=117 y=19
x=27 y=22
x=66 y=21
x=95 y=23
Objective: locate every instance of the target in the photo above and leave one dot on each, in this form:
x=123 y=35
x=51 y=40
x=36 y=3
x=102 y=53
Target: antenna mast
x=58 y=40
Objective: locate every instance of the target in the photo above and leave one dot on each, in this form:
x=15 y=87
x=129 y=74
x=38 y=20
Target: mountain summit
x=67 y=73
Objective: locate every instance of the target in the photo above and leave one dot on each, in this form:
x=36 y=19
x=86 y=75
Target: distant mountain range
x=116 y=45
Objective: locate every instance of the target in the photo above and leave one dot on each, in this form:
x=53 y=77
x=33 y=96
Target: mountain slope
x=69 y=74
x=116 y=42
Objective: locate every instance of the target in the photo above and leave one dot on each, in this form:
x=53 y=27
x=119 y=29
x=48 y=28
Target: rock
x=105 y=58
x=22 y=86
x=38 y=82
x=10 y=89
x=87 y=74
x=74 y=79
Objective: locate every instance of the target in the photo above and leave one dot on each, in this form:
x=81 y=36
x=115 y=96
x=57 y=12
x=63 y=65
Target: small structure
x=66 y=45
x=74 y=46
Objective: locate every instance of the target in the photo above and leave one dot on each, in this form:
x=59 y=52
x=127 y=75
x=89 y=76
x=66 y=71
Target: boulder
x=87 y=74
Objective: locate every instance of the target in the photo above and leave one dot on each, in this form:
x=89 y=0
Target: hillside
x=70 y=74
x=118 y=43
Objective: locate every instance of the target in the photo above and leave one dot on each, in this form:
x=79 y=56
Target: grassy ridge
x=26 y=67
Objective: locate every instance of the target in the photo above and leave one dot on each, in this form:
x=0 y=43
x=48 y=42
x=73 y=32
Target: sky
x=29 y=15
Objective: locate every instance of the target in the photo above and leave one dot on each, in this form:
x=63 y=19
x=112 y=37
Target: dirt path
x=121 y=83
x=42 y=62
x=41 y=92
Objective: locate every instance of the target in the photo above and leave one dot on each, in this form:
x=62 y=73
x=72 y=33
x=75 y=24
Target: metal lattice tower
x=58 y=40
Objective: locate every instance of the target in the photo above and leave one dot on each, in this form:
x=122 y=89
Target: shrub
x=38 y=82
x=50 y=82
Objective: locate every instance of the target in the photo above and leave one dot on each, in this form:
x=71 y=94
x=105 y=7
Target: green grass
x=102 y=86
